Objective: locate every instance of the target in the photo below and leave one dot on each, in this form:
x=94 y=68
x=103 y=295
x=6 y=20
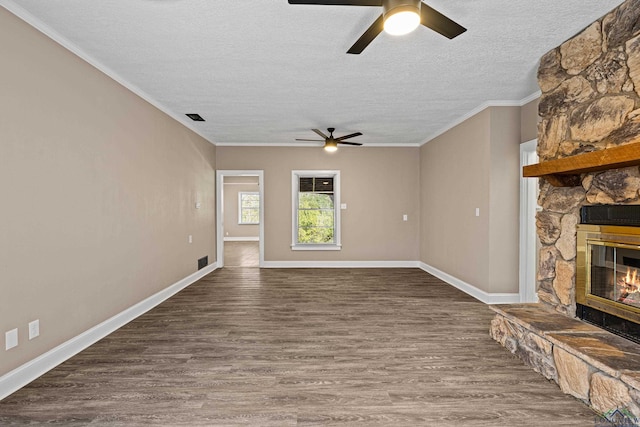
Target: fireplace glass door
x=615 y=272
x=608 y=277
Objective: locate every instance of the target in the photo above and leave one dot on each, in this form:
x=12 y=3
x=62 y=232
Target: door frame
x=220 y=175
x=528 y=234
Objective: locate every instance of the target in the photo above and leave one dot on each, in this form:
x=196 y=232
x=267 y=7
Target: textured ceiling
x=265 y=72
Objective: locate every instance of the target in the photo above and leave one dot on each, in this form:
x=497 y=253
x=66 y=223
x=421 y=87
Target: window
x=316 y=213
x=248 y=208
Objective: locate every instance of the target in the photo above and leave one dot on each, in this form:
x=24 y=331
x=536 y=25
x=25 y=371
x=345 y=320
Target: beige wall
x=454 y=182
x=504 y=199
x=529 y=120
x=231 y=226
x=98 y=192
x=378 y=185
x=474 y=165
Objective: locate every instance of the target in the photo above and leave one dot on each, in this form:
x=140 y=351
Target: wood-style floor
x=286 y=347
x=241 y=254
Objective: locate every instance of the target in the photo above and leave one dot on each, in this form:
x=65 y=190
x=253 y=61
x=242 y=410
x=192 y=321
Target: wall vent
x=628 y=215
x=203 y=262
x=195 y=117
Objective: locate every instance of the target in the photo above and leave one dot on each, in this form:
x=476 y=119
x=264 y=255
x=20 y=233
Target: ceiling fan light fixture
x=401 y=16
x=330 y=146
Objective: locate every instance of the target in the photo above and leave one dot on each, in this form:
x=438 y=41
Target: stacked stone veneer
x=590 y=101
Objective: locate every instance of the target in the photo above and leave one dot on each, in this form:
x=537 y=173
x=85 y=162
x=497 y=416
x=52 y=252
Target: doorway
x=528 y=235
x=240 y=218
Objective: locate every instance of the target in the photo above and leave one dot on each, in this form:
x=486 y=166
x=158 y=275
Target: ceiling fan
x=398 y=17
x=331 y=143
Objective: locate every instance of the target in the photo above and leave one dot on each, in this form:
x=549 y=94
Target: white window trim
x=337 y=245
x=240 y=193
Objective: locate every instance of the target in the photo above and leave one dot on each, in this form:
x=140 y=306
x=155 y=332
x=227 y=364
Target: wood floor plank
x=245 y=346
x=241 y=254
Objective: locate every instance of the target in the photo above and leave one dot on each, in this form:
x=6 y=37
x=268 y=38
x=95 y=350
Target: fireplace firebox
x=608 y=277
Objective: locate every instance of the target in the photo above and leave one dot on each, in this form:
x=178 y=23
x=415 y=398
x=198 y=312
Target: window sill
x=302 y=247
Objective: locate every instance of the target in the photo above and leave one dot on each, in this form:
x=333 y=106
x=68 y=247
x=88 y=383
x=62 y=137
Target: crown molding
x=36 y=23
x=479 y=109
x=535 y=95
x=312 y=145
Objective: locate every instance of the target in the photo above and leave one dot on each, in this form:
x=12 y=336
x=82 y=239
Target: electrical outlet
x=11 y=339
x=34 y=329
x=190 y=238
x=405 y=217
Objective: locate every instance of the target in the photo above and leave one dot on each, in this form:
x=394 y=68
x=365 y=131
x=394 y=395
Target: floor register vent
x=203 y=262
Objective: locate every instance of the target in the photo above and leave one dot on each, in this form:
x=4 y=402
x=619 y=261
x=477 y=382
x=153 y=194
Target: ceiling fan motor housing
x=391 y=7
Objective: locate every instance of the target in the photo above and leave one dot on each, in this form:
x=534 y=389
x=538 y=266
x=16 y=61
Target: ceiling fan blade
x=319 y=132
x=351 y=135
x=339 y=2
x=348 y=143
x=368 y=36
x=315 y=140
x=431 y=18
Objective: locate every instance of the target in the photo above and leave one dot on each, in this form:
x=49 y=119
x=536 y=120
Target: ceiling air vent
x=195 y=117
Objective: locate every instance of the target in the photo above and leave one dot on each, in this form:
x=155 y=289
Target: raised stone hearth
x=593 y=365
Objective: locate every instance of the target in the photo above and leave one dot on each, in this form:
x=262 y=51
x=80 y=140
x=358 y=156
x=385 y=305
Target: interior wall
x=504 y=199
x=98 y=194
x=469 y=192
x=454 y=178
x=529 y=119
x=378 y=185
x=231 y=227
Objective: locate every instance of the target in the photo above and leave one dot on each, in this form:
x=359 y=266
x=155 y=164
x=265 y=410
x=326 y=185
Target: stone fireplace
x=590 y=103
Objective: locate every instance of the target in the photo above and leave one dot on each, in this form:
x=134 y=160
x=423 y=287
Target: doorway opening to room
x=240 y=218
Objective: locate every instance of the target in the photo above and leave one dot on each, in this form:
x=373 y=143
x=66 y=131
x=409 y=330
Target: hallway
x=241 y=254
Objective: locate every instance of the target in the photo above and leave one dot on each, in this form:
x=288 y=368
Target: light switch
x=198 y=204
x=477 y=211
x=343 y=206
x=405 y=217
x=34 y=329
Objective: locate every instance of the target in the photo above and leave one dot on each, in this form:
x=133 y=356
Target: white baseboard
x=23 y=375
x=340 y=264
x=485 y=297
x=241 y=239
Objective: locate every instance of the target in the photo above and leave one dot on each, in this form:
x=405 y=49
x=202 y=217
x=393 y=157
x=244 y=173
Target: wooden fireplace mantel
x=566 y=172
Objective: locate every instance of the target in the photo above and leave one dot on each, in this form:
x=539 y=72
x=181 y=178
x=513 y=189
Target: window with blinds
x=316 y=215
